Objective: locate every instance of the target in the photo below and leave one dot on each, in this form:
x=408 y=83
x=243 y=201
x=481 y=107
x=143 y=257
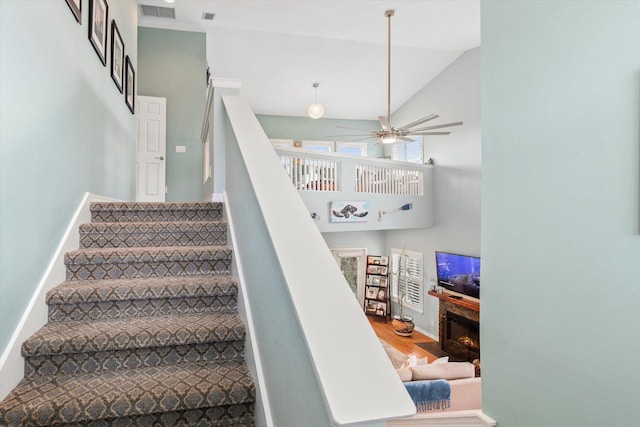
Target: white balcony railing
x=312 y=174
x=315 y=171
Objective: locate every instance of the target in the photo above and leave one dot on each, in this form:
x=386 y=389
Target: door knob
x=160 y=158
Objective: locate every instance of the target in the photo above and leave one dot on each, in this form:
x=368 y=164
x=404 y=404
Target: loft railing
x=315 y=171
x=312 y=174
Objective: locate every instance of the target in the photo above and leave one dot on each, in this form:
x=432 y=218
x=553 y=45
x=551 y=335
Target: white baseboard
x=35 y=315
x=423 y=332
x=217 y=197
x=439 y=419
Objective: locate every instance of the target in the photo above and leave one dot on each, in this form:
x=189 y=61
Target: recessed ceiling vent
x=208 y=16
x=157 y=11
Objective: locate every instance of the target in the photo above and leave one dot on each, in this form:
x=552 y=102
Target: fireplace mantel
x=462 y=302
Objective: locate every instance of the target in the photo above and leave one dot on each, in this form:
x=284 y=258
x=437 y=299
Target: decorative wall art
x=349 y=211
x=76 y=9
x=130 y=85
x=98 y=19
x=117 y=56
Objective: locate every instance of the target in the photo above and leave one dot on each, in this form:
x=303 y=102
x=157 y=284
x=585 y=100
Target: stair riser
x=110 y=395
x=156 y=216
x=150 y=269
x=221 y=416
x=140 y=235
x=138 y=308
x=103 y=361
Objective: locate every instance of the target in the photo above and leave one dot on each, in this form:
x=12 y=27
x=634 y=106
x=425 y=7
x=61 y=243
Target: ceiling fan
x=389 y=134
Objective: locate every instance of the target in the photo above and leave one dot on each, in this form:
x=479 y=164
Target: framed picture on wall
x=349 y=211
x=98 y=18
x=117 y=56
x=130 y=85
x=76 y=9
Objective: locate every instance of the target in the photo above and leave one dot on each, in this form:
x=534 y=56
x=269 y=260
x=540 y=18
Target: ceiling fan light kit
x=315 y=110
x=389 y=134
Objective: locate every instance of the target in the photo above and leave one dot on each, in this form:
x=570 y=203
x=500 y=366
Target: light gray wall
x=560 y=243
x=373 y=241
x=455 y=96
x=173 y=66
x=64 y=130
x=299 y=128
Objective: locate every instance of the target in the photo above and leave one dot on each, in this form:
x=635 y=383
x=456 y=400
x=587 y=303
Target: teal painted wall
x=64 y=131
x=299 y=128
x=172 y=65
x=560 y=212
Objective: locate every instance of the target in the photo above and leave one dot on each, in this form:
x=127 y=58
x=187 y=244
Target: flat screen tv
x=459 y=273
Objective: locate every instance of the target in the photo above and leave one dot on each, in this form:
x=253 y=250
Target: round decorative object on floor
x=403 y=325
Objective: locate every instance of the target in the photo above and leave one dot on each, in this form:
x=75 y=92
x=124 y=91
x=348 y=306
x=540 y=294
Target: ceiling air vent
x=208 y=16
x=157 y=11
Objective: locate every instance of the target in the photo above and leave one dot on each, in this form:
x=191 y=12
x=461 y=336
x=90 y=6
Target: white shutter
x=413 y=285
x=414 y=151
x=408 y=151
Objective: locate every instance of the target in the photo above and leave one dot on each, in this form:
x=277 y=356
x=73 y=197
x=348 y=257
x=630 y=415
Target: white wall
x=455 y=96
x=560 y=243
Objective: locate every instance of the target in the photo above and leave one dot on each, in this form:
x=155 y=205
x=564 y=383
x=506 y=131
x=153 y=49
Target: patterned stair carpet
x=144 y=331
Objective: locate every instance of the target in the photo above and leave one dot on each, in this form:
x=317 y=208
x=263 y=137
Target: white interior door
x=152 y=149
x=353 y=264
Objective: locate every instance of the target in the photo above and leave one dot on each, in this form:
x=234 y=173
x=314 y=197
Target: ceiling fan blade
x=361 y=130
x=446 y=125
x=359 y=134
x=420 y=121
x=384 y=123
x=404 y=138
x=359 y=139
x=430 y=133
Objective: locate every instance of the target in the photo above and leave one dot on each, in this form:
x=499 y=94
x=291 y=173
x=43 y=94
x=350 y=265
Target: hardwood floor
x=406 y=345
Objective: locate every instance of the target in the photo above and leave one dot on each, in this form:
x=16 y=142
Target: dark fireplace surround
x=459 y=334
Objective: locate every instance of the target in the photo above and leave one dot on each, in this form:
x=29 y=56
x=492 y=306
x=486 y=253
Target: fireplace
x=461 y=337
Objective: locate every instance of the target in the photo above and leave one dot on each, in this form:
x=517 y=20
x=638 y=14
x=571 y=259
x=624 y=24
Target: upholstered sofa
x=466 y=390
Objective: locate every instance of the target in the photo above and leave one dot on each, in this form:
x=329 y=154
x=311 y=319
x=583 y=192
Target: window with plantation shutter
x=408 y=151
x=410 y=284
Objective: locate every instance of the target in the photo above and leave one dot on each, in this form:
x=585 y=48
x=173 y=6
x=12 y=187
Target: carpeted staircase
x=144 y=331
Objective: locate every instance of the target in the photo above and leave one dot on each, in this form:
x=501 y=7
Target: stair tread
x=130 y=392
x=79 y=291
x=136 y=332
x=147 y=254
x=158 y=225
x=154 y=206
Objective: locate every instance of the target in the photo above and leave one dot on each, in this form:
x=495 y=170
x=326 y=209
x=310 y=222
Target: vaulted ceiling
x=278 y=49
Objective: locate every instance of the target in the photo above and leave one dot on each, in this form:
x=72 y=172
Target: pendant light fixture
x=315 y=110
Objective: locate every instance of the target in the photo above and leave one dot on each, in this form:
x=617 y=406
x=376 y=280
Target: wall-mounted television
x=459 y=273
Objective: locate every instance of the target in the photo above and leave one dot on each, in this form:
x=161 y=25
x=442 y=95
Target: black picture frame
x=130 y=85
x=76 y=9
x=117 y=57
x=98 y=27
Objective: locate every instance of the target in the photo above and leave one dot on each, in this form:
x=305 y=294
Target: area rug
x=397 y=357
x=433 y=348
